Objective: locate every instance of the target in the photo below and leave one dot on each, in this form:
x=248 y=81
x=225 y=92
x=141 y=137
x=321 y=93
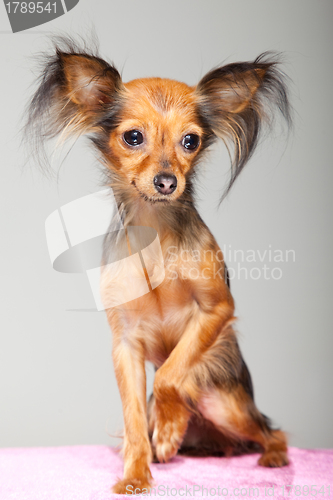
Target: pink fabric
x=87 y=473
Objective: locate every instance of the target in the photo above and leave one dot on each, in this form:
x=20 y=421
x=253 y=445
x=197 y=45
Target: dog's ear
x=78 y=93
x=89 y=82
x=235 y=100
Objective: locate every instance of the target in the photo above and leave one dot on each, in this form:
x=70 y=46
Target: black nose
x=165 y=183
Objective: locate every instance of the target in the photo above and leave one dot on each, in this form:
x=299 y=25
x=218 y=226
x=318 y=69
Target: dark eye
x=191 y=141
x=133 y=137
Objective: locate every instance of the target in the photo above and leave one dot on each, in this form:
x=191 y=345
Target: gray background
x=56 y=377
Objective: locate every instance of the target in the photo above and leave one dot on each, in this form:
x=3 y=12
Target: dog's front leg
x=174 y=388
x=129 y=365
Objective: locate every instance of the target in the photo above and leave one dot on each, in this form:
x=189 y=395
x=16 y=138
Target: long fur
x=240 y=130
x=52 y=113
x=203 y=400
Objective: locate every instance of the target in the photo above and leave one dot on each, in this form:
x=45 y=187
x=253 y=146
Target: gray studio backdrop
x=57 y=385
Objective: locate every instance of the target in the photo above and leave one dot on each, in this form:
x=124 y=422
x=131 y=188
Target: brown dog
x=151 y=134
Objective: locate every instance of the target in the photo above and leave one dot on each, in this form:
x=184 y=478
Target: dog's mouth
x=151 y=199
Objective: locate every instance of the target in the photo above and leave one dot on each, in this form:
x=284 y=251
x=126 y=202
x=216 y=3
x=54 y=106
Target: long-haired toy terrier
x=151 y=134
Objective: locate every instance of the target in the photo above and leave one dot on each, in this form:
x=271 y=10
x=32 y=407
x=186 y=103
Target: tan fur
x=202 y=398
x=176 y=325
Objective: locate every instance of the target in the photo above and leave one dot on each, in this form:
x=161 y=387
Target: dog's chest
x=159 y=319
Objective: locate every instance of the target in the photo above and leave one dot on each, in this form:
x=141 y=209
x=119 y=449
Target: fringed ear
x=90 y=82
x=78 y=93
x=235 y=100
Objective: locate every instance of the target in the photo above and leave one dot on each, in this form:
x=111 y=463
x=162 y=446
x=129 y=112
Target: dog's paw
x=169 y=431
x=166 y=441
x=132 y=486
x=274 y=458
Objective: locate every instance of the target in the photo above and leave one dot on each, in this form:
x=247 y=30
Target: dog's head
x=158 y=137
x=152 y=131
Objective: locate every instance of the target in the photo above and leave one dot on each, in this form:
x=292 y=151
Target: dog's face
x=151 y=132
x=158 y=138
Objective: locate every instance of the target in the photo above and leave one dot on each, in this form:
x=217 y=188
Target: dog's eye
x=191 y=141
x=133 y=137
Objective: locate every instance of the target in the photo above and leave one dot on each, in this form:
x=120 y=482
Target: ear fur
x=235 y=100
x=78 y=93
x=90 y=82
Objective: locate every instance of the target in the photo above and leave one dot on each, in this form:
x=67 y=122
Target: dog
x=151 y=135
